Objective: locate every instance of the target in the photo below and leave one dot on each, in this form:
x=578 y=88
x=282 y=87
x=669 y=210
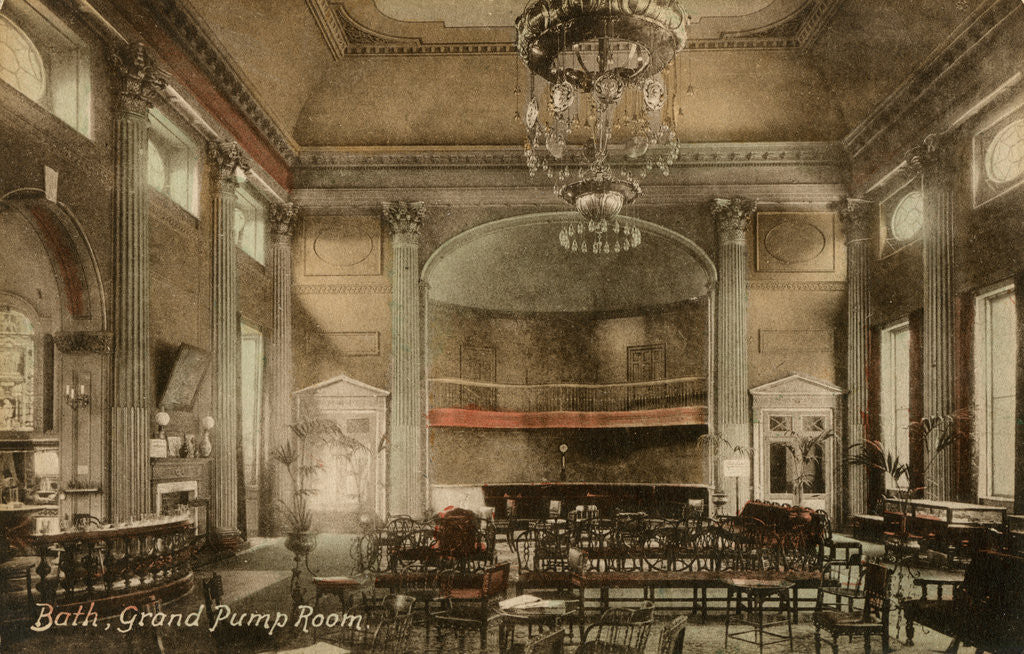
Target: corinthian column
x=931 y=160
x=137 y=83
x=732 y=408
x=282 y=226
x=225 y=159
x=406 y=472
x=856 y=217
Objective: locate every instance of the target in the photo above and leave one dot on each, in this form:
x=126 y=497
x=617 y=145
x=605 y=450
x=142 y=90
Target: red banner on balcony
x=689 y=415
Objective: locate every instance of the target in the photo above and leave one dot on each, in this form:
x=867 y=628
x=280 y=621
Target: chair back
x=551 y=643
x=541 y=550
x=672 y=636
x=876 y=591
x=626 y=628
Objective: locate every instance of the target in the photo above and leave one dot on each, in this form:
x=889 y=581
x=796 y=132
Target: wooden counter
x=532 y=501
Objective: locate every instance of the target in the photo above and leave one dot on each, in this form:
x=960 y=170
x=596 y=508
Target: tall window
x=250 y=395
x=995 y=357
x=173 y=162
x=17 y=371
x=250 y=224
x=42 y=59
x=895 y=391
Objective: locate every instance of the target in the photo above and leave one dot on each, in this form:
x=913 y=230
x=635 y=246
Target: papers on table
x=530 y=602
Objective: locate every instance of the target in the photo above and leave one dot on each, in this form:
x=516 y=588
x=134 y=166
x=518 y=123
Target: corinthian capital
x=732 y=216
x=857 y=218
x=932 y=151
x=283 y=218
x=225 y=159
x=404 y=217
x=137 y=80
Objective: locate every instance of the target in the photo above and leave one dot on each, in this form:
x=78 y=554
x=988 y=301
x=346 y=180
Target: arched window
x=46 y=61
x=908 y=217
x=17 y=371
x=1004 y=159
x=21 y=65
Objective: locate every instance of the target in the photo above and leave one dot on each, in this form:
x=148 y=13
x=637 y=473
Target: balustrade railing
x=114 y=561
x=528 y=398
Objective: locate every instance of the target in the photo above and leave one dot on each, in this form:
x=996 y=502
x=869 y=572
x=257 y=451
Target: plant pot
x=300 y=542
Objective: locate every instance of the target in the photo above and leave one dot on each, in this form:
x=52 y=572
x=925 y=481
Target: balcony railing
x=541 y=398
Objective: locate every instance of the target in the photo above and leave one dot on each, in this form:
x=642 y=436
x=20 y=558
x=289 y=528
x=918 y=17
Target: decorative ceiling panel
x=399 y=27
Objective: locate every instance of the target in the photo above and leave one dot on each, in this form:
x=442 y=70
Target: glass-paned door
x=785 y=468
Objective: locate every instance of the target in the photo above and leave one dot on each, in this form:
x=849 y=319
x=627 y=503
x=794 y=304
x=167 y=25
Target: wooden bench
x=986 y=610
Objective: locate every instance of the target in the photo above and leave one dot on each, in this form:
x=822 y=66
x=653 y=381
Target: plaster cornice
x=212 y=59
x=820 y=153
x=913 y=94
x=541 y=197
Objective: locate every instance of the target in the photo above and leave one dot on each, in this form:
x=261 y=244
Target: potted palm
x=805 y=451
x=293 y=457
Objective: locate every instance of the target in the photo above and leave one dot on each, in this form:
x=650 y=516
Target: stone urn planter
x=300 y=543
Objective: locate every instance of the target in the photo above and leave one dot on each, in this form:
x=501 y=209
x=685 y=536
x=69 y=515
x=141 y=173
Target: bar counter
x=533 y=501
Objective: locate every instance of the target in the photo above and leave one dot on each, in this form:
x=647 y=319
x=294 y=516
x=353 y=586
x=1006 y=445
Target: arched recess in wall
x=70 y=255
x=49 y=274
x=514 y=247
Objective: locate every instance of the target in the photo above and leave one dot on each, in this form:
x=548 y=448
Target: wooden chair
x=386 y=628
x=467 y=598
x=871 y=620
x=672 y=636
x=618 y=631
x=551 y=643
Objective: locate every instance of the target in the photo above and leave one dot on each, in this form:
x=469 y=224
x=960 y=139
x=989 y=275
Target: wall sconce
x=76 y=398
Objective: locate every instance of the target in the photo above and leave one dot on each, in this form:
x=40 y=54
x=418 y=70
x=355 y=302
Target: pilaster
x=932 y=161
x=732 y=406
x=136 y=83
x=406 y=467
x=282 y=223
x=857 y=218
x=225 y=160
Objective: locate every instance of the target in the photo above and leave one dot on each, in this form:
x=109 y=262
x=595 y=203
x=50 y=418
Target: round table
x=549 y=617
x=755 y=629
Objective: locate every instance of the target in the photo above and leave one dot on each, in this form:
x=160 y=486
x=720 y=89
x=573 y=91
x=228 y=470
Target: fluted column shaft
x=732 y=407
x=225 y=159
x=405 y=464
x=857 y=219
x=137 y=82
x=279 y=360
x=932 y=160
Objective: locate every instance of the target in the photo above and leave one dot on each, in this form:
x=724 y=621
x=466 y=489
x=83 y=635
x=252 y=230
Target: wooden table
x=757 y=592
x=550 y=617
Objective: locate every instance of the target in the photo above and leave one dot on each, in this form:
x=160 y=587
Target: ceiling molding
x=203 y=49
x=912 y=96
x=344 y=34
x=690 y=154
x=799 y=30
x=369 y=198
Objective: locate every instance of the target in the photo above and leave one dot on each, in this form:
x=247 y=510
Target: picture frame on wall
x=190 y=365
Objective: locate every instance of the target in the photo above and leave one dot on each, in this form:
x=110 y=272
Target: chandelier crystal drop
x=597 y=65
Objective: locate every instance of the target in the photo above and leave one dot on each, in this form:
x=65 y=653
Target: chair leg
x=867 y=643
x=910 y=632
x=835 y=642
x=817 y=639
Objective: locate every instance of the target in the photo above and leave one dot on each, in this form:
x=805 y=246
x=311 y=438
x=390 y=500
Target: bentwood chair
x=871 y=620
x=672 y=636
x=619 y=631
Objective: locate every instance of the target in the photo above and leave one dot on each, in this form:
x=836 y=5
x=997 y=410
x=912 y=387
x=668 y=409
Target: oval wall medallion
x=795 y=241
x=343 y=246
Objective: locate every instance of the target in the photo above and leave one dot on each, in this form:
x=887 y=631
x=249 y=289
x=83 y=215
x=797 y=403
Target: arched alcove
x=530 y=346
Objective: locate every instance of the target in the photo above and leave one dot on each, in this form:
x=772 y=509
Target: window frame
x=888 y=243
x=796 y=419
x=986 y=190
x=892 y=440
x=171 y=140
x=983 y=391
x=258 y=206
x=67 y=58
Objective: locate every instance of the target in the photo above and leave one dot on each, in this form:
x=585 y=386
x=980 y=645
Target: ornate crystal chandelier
x=601 y=63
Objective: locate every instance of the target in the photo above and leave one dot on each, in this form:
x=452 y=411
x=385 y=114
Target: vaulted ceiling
x=443 y=72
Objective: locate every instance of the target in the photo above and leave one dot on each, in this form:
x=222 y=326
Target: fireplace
x=168 y=496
